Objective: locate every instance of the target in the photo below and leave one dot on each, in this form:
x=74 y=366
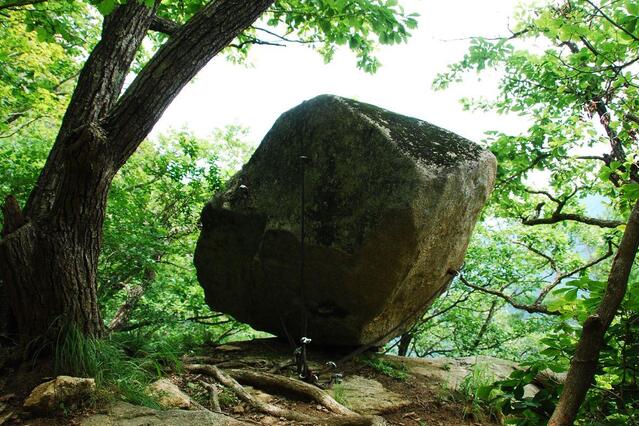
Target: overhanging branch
x=558 y=215
x=532 y=309
x=561 y=217
x=173 y=66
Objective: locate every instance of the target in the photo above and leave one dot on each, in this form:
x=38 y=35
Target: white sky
x=283 y=77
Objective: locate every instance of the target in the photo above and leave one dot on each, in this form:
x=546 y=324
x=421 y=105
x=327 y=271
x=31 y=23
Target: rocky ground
x=260 y=388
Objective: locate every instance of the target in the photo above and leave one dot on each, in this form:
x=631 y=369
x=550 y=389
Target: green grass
x=228 y=399
x=471 y=391
x=339 y=394
x=122 y=365
x=478 y=377
x=388 y=368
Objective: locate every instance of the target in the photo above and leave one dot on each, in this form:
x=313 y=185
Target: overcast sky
x=282 y=77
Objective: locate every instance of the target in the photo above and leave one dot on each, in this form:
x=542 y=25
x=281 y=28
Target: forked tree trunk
x=49 y=251
x=49 y=264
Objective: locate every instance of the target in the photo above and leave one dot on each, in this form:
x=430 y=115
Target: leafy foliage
x=151 y=230
x=538 y=266
x=360 y=25
x=39 y=66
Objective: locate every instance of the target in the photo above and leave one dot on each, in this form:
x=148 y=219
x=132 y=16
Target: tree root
x=213 y=395
x=268 y=380
x=221 y=362
x=202 y=359
x=281 y=366
x=272 y=380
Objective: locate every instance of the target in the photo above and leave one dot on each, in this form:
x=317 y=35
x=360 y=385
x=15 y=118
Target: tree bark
x=404 y=343
x=583 y=365
x=48 y=265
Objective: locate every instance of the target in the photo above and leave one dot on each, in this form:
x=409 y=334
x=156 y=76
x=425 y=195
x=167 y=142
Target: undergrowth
x=339 y=394
x=122 y=364
x=471 y=394
x=388 y=368
x=471 y=390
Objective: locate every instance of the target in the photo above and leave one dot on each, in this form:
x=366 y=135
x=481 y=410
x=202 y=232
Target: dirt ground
x=428 y=403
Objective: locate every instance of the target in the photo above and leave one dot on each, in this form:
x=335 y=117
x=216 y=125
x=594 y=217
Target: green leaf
x=106 y=6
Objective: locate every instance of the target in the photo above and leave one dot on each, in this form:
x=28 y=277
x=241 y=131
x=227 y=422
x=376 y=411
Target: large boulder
x=390 y=204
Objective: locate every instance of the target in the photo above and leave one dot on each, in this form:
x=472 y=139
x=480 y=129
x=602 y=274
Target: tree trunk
x=49 y=263
x=404 y=343
x=49 y=251
x=583 y=365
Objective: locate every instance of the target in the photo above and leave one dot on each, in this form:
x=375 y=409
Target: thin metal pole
x=303 y=370
x=303 y=160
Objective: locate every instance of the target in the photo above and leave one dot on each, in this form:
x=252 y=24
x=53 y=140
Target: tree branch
x=546 y=193
x=121 y=318
x=25 y=125
x=18 y=3
x=562 y=276
x=99 y=84
x=556 y=218
x=286 y=39
x=102 y=77
x=190 y=48
x=615 y=24
x=532 y=309
x=163 y=25
x=632 y=117
x=531 y=165
x=551 y=261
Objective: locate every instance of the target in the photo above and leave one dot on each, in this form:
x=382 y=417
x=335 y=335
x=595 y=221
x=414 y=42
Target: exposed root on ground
x=267 y=380
x=344 y=415
x=226 y=363
x=214 y=399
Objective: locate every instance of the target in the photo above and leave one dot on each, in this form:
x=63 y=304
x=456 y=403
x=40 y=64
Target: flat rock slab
x=125 y=414
x=452 y=372
x=368 y=396
x=390 y=204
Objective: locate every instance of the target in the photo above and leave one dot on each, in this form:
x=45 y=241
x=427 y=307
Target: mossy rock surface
x=390 y=204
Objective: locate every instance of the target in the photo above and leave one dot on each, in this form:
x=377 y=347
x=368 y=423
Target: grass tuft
x=121 y=365
x=389 y=368
x=339 y=394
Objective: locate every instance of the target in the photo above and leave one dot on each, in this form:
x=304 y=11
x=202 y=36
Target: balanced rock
x=389 y=206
